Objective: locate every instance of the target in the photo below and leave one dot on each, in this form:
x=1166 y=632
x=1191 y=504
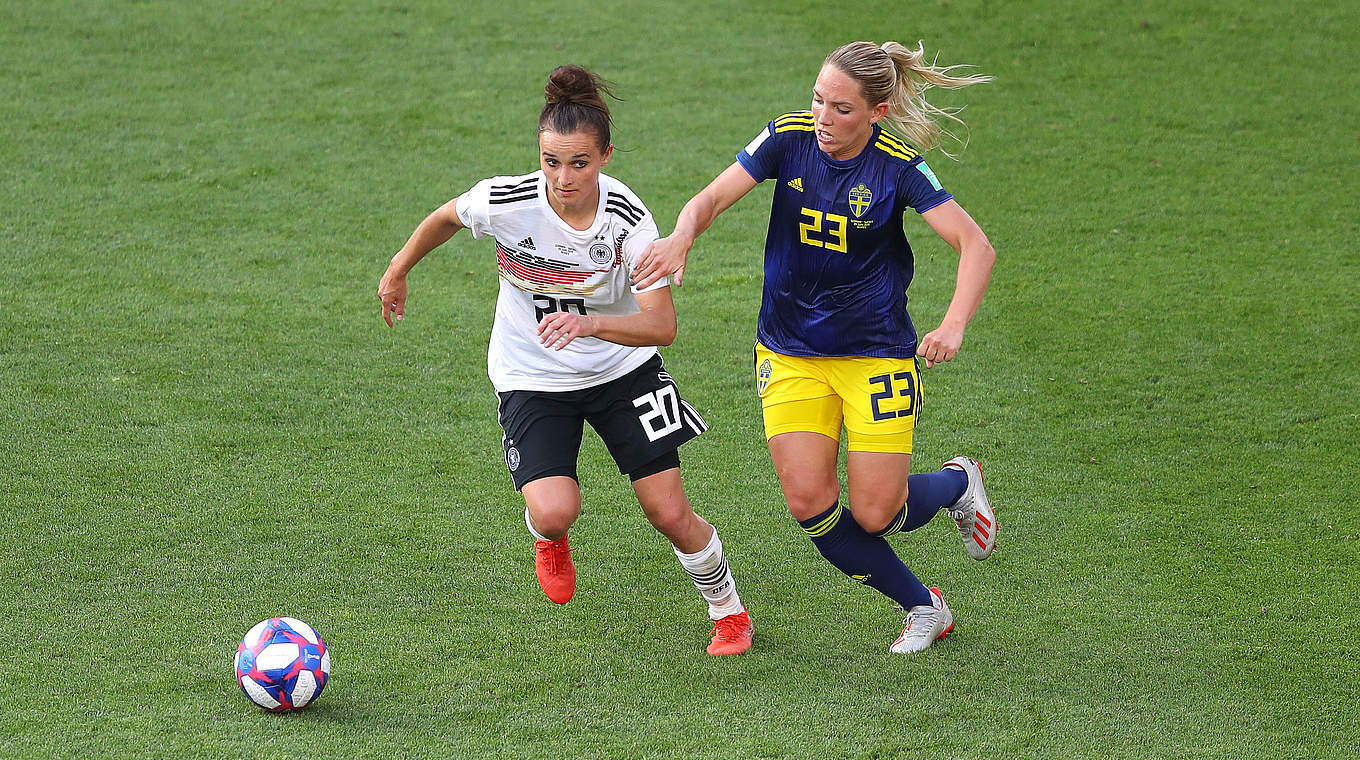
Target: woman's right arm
x=669 y=254
x=437 y=228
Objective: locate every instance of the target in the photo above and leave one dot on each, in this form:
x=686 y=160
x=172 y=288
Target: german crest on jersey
x=860 y=198
x=600 y=254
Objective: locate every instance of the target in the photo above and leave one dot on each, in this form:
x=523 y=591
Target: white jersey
x=545 y=266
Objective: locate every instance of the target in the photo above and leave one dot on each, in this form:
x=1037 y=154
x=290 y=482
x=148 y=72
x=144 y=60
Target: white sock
x=530 y=523
x=708 y=569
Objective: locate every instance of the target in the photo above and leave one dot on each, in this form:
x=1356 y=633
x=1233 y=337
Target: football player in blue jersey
x=835 y=346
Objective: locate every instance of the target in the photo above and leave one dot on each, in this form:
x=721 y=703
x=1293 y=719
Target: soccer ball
x=282 y=664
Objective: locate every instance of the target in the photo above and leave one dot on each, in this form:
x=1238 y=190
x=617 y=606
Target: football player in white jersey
x=574 y=342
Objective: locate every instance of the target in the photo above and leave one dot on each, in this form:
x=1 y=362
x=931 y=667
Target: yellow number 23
x=835 y=230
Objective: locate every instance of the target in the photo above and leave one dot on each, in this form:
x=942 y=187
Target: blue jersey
x=837 y=263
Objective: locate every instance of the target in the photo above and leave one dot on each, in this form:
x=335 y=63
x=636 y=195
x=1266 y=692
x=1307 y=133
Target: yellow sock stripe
x=895 y=526
x=825 y=526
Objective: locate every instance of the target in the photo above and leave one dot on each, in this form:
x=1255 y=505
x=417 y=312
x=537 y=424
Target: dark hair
x=574 y=103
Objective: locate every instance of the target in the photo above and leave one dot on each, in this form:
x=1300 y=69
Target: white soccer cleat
x=973 y=511
x=925 y=624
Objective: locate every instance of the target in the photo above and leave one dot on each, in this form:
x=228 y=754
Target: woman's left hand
x=560 y=328
x=940 y=345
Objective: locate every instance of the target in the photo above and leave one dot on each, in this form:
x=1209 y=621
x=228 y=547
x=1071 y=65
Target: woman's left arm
x=653 y=325
x=976 y=257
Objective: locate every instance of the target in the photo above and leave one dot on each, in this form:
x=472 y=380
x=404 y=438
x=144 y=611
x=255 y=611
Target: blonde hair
x=894 y=74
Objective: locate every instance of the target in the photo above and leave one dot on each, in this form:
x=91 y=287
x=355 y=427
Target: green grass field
x=205 y=422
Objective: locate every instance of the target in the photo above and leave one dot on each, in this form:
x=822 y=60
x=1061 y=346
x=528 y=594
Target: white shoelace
x=925 y=618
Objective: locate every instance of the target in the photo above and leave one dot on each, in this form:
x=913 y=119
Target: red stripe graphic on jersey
x=520 y=269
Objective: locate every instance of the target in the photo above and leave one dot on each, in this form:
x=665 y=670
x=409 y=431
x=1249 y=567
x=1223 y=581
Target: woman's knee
x=807 y=496
x=674 y=522
x=553 y=504
x=876 y=517
x=806 y=465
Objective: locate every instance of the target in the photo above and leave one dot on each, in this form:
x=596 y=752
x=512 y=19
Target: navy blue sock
x=927 y=493
x=868 y=559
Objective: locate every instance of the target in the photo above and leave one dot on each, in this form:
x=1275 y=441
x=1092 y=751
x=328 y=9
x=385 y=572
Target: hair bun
x=575 y=101
x=571 y=84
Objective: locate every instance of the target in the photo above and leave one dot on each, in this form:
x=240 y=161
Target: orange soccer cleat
x=556 y=573
x=732 y=635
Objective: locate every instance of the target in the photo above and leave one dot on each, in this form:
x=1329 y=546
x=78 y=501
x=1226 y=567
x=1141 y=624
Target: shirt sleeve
x=474 y=209
x=636 y=243
x=920 y=188
x=760 y=157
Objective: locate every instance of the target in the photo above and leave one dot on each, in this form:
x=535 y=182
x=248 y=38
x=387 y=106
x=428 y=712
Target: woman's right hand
x=670 y=254
x=392 y=295
x=666 y=256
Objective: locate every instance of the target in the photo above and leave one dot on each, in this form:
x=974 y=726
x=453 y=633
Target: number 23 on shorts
x=894 y=395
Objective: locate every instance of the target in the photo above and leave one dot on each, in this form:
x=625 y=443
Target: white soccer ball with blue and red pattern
x=282 y=664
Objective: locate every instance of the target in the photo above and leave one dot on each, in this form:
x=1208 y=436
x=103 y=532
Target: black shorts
x=640 y=417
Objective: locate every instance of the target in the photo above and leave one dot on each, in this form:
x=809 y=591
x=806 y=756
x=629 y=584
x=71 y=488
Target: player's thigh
x=802 y=416
x=881 y=402
x=806 y=466
x=795 y=395
x=541 y=435
x=877 y=483
x=642 y=418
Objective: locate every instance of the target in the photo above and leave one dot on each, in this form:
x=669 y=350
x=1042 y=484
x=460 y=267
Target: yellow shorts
x=877 y=400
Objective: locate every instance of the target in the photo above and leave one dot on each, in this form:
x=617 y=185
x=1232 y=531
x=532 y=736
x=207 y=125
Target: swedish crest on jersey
x=860 y=197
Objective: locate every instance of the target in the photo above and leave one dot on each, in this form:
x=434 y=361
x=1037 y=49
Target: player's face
x=844 y=120
x=572 y=164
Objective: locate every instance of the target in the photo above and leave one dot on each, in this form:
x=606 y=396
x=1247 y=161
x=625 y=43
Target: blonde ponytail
x=894 y=74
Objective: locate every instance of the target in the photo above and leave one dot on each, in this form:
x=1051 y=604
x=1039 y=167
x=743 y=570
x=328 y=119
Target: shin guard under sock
x=927 y=493
x=866 y=558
